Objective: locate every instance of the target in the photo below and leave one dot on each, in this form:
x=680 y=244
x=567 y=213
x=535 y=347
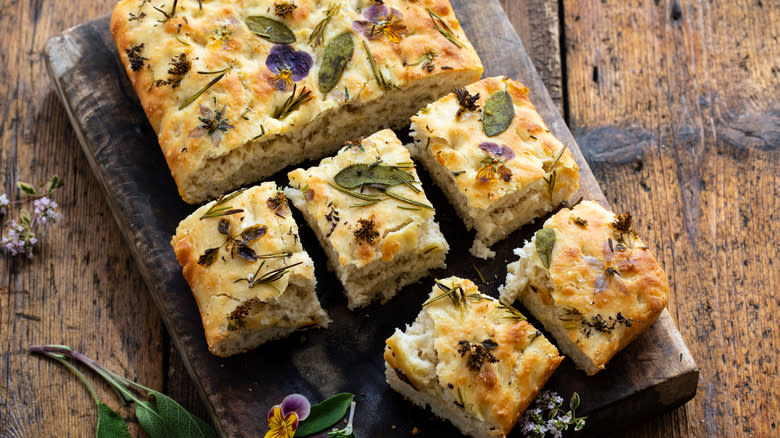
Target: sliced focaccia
x=250 y=276
x=236 y=90
x=494 y=158
x=371 y=215
x=591 y=281
x=476 y=362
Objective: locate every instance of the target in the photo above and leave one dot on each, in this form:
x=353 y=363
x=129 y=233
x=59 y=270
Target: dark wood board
x=653 y=374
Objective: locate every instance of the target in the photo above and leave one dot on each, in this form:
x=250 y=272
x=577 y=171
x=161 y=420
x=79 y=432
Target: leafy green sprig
x=158 y=414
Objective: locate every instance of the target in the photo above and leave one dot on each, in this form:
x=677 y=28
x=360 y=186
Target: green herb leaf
x=337 y=54
x=195 y=96
x=574 y=403
x=270 y=29
x=498 y=113
x=209 y=257
x=179 y=420
x=359 y=174
x=26 y=188
x=292 y=103
x=443 y=28
x=220 y=209
x=545 y=242
x=315 y=39
x=151 y=420
x=110 y=424
x=254 y=232
x=378 y=76
x=325 y=414
x=54 y=183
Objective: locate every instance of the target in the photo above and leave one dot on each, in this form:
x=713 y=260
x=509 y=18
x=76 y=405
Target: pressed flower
x=213 y=123
x=493 y=165
x=283 y=419
x=288 y=65
x=502 y=152
x=380 y=21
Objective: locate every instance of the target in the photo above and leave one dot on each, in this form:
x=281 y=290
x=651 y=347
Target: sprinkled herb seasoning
x=134 y=56
x=366 y=231
x=466 y=100
x=283 y=9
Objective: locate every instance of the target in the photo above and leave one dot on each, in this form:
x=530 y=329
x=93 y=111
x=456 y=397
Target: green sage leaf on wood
x=270 y=29
x=498 y=113
x=358 y=174
x=545 y=242
x=325 y=414
x=151 y=420
x=178 y=420
x=337 y=54
x=110 y=424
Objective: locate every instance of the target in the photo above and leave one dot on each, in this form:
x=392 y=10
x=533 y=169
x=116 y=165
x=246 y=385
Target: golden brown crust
x=216 y=38
x=604 y=275
x=455 y=143
x=213 y=282
x=491 y=359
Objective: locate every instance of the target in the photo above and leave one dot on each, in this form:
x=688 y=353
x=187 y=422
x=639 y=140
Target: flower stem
x=78 y=374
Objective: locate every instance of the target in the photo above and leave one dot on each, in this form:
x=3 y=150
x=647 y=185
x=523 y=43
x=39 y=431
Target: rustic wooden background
x=674 y=103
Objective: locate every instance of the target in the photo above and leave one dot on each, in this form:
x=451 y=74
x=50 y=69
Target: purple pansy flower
x=503 y=152
x=283 y=419
x=289 y=66
x=380 y=21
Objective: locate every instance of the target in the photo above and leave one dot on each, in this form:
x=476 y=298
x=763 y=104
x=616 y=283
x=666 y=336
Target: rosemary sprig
x=479 y=273
x=407 y=200
x=267 y=278
x=403 y=207
x=167 y=15
x=431 y=249
x=220 y=209
x=558 y=157
x=292 y=103
x=514 y=314
x=203 y=90
x=404 y=179
x=455 y=294
x=443 y=28
x=551 y=182
x=316 y=37
x=358 y=195
x=378 y=76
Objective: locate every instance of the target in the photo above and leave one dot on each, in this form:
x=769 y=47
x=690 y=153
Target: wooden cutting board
x=654 y=374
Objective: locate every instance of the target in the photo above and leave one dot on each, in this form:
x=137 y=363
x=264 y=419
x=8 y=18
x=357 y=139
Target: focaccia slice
x=371 y=215
x=250 y=276
x=591 y=281
x=238 y=90
x=494 y=158
x=474 y=361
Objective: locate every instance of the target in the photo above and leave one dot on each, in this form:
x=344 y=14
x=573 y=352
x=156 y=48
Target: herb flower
x=4 y=204
x=283 y=419
x=380 y=21
x=493 y=164
x=288 y=65
x=45 y=211
x=19 y=240
x=213 y=123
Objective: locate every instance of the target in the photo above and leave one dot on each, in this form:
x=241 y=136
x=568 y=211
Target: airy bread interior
x=529 y=271
x=297 y=308
x=323 y=135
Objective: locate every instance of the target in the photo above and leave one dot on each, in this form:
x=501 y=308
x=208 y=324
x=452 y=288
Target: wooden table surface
x=674 y=103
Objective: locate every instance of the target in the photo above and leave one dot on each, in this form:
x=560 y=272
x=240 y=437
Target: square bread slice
x=238 y=90
x=591 y=281
x=476 y=362
x=250 y=276
x=494 y=158
x=372 y=217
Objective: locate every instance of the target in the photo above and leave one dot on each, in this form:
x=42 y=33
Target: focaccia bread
x=591 y=281
x=473 y=360
x=494 y=158
x=236 y=90
x=371 y=215
x=250 y=276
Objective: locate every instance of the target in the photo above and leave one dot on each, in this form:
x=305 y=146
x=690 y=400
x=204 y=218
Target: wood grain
x=675 y=104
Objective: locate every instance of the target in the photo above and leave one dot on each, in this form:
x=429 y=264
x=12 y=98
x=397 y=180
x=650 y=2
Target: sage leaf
x=254 y=232
x=151 y=420
x=209 y=257
x=337 y=54
x=358 y=174
x=246 y=252
x=545 y=242
x=54 y=183
x=27 y=188
x=180 y=421
x=110 y=424
x=270 y=29
x=498 y=113
x=224 y=227
x=325 y=414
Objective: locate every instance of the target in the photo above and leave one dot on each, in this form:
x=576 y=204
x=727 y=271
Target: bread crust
x=246 y=97
x=496 y=392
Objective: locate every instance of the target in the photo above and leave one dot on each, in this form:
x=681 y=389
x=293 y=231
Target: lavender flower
x=213 y=123
x=289 y=66
x=380 y=21
x=4 y=204
x=45 y=211
x=20 y=239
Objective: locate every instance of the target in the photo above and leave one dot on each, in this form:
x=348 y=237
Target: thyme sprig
x=292 y=103
x=426 y=62
x=220 y=209
x=443 y=28
x=167 y=15
x=267 y=278
x=317 y=35
x=234 y=244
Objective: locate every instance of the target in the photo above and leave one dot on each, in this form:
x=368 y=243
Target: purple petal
x=298 y=404
x=364 y=28
x=397 y=13
x=491 y=148
x=593 y=263
x=197 y=132
x=507 y=153
x=300 y=65
x=376 y=12
x=280 y=57
x=602 y=281
x=206 y=112
x=271 y=411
